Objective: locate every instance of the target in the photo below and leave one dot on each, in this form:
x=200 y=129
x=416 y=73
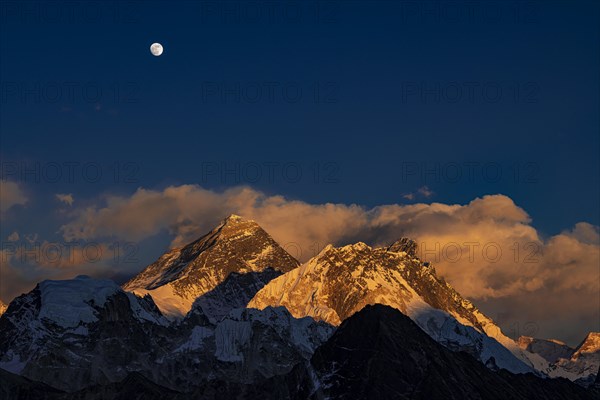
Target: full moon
x=156 y=49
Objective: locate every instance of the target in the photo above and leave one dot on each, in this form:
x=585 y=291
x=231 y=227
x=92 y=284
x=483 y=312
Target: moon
x=156 y=49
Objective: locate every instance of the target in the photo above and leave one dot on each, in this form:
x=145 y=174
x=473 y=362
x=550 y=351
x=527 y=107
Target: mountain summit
x=183 y=274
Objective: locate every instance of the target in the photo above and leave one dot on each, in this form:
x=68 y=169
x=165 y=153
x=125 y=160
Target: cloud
x=65 y=198
x=11 y=194
x=25 y=263
x=586 y=233
x=487 y=249
x=188 y=211
x=13 y=237
x=423 y=191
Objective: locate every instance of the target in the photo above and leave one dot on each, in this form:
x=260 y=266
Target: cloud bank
x=11 y=194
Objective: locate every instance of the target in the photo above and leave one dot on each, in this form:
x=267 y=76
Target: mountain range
x=233 y=315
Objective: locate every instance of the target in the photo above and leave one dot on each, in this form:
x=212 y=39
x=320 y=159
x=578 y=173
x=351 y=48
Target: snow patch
x=69 y=302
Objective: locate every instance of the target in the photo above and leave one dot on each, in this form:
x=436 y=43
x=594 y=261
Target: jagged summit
x=183 y=274
x=235 y=217
x=75 y=302
x=591 y=344
x=584 y=362
x=375 y=274
x=404 y=244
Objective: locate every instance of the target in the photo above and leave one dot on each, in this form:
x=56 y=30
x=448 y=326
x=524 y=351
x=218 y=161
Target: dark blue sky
x=369 y=94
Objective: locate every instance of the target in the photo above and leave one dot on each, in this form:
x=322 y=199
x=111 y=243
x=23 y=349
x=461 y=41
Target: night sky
x=365 y=103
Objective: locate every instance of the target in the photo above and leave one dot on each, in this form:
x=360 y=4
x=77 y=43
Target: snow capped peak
x=70 y=302
x=182 y=275
x=235 y=218
x=359 y=246
x=3 y=307
x=324 y=251
x=591 y=344
x=405 y=245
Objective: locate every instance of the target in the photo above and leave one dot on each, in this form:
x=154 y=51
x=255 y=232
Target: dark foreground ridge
x=378 y=353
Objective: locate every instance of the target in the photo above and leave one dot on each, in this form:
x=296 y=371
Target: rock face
x=341 y=281
x=182 y=275
x=404 y=245
x=245 y=347
x=3 y=307
x=235 y=292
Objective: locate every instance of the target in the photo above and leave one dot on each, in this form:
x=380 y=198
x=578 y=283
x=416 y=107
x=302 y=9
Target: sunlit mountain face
x=299 y=200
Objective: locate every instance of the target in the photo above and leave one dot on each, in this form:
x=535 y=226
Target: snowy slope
x=62 y=320
x=341 y=281
x=182 y=275
x=70 y=303
x=235 y=292
x=81 y=332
